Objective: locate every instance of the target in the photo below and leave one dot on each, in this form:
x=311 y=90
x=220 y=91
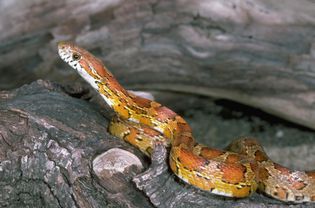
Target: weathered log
x=55 y=152
x=47 y=143
x=260 y=53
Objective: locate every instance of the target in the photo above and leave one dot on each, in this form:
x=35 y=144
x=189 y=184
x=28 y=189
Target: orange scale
x=298 y=185
x=183 y=127
x=145 y=121
x=281 y=193
x=283 y=170
x=150 y=132
x=152 y=112
x=86 y=66
x=243 y=192
x=254 y=166
x=173 y=165
x=190 y=160
x=260 y=156
x=233 y=173
x=202 y=183
x=188 y=141
x=142 y=102
x=233 y=158
x=131 y=137
x=154 y=105
x=263 y=174
x=210 y=153
x=164 y=113
x=168 y=133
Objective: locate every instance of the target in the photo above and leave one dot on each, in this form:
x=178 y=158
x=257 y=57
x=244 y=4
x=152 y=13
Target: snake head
x=70 y=53
x=87 y=65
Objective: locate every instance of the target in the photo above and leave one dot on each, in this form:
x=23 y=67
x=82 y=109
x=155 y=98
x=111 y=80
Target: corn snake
x=235 y=172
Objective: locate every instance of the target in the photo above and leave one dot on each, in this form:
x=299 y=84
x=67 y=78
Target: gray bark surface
x=47 y=143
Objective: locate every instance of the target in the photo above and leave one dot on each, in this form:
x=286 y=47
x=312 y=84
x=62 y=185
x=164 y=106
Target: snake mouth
x=64 y=51
x=73 y=56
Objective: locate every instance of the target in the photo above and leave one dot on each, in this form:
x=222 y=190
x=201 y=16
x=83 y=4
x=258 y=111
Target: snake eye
x=76 y=56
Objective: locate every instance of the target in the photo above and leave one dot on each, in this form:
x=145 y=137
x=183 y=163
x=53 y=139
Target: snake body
x=235 y=172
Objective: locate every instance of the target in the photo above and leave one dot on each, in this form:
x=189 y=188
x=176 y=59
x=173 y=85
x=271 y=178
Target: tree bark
x=47 y=143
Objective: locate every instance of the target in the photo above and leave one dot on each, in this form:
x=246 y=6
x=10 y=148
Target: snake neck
x=126 y=105
x=141 y=110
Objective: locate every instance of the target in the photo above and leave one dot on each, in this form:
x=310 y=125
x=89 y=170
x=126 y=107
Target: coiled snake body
x=235 y=172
